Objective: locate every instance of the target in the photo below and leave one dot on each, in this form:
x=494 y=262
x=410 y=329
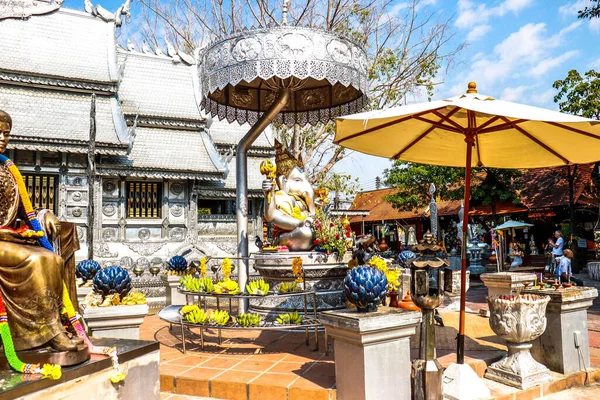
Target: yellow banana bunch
x=134 y=297
x=288 y=287
x=258 y=288
x=219 y=317
x=185 y=280
x=206 y=285
x=226 y=287
x=248 y=319
x=290 y=318
x=194 y=314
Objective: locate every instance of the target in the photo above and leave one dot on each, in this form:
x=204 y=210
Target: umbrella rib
x=501 y=127
x=422 y=135
x=557 y=124
x=387 y=124
x=440 y=125
x=447 y=117
x=489 y=121
x=536 y=140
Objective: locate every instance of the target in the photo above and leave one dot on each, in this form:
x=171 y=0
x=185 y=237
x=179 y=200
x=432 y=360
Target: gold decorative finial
x=472 y=87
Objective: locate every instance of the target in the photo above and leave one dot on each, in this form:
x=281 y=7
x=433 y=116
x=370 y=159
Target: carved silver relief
x=339 y=51
x=176 y=188
x=294 y=45
x=76 y=212
x=109 y=187
x=81 y=234
x=246 y=49
x=109 y=209
x=110 y=234
x=144 y=234
x=177 y=234
x=77 y=196
x=145 y=249
x=177 y=210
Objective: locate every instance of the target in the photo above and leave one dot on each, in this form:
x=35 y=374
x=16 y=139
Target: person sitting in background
x=563 y=269
x=517 y=255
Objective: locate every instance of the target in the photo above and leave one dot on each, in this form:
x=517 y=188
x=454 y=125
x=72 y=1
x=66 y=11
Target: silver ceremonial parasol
x=282 y=74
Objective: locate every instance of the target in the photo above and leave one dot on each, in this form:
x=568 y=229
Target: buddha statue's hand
x=9 y=235
x=52 y=224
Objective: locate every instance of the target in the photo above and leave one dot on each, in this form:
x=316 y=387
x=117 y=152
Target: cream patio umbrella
x=472 y=130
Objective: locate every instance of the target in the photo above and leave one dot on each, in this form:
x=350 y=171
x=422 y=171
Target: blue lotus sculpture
x=111 y=280
x=404 y=256
x=365 y=287
x=87 y=270
x=177 y=264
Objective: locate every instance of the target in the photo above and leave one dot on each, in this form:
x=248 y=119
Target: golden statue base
x=48 y=355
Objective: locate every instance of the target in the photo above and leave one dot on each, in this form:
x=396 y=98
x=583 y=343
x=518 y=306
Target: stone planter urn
x=518 y=319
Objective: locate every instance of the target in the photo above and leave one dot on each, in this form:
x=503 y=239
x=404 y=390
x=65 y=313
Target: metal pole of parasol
x=470 y=140
x=241 y=180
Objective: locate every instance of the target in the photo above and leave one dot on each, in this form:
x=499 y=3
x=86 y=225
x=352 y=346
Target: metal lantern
x=290 y=75
x=427 y=287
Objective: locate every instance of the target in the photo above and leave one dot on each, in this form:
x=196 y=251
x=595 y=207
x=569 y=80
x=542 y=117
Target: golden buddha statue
x=31 y=277
x=290 y=204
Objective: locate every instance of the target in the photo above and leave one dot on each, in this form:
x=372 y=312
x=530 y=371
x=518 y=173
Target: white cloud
x=595 y=64
x=469 y=13
x=570 y=9
x=595 y=25
x=551 y=62
x=478 y=32
x=515 y=94
x=527 y=52
x=543 y=98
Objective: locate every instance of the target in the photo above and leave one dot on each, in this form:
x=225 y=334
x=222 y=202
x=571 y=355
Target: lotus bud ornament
x=112 y=280
x=365 y=287
x=87 y=270
x=177 y=265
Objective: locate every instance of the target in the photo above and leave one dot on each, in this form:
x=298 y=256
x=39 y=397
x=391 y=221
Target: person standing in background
x=557 y=247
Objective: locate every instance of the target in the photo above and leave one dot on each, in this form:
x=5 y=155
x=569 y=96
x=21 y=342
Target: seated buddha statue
x=290 y=203
x=31 y=277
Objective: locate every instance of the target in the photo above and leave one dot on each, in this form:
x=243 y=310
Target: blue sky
x=516 y=50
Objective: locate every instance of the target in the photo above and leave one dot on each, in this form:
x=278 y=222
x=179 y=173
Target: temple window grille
x=42 y=190
x=144 y=199
x=216 y=207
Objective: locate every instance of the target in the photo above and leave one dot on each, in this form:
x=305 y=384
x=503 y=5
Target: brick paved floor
x=278 y=365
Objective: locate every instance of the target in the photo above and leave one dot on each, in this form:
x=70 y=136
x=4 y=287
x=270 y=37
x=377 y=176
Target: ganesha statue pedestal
x=323 y=273
x=122 y=321
x=519 y=319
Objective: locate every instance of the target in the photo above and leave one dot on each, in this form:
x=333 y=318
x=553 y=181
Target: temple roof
x=155 y=86
x=65 y=44
x=224 y=133
x=53 y=120
x=188 y=154
x=228 y=185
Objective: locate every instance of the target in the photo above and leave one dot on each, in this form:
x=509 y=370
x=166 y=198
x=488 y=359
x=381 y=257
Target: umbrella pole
x=460 y=353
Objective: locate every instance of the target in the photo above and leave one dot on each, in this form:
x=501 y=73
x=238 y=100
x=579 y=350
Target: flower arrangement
x=393 y=277
x=226 y=268
x=203 y=267
x=378 y=263
x=332 y=235
x=297 y=269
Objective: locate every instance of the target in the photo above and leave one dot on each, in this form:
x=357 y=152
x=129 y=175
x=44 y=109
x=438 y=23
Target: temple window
x=42 y=190
x=215 y=207
x=144 y=199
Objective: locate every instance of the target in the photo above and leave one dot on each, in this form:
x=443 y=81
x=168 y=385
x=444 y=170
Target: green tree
x=590 y=12
x=489 y=185
x=579 y=95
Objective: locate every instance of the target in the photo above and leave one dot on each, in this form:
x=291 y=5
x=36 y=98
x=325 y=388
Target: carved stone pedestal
x=564 y=345
x=506 y=282
x=174 y=297
x=518 y=369
x=372 y=352
x=115 y=321
x=519 y=319
x=323 y=273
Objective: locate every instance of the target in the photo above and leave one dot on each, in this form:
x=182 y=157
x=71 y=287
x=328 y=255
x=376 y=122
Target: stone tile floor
x=277 y=365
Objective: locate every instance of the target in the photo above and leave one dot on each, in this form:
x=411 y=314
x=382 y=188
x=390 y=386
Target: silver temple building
x=165 y=180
